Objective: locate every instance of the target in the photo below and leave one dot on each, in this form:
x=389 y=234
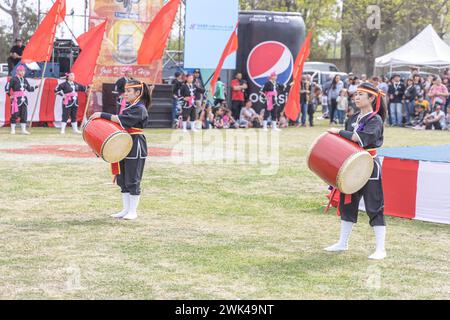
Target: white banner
x=209 y=24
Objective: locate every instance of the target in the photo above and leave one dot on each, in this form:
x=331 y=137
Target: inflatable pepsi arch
x=268 y=42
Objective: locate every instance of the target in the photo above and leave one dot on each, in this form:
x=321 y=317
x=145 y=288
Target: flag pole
x=45 y=65
x=88 y=101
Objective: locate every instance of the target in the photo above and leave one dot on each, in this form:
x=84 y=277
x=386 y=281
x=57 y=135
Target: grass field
x=205 y=230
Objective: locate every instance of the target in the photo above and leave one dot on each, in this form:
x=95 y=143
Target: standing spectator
x=396 y=91
x=15 y=54
x=436 y=119
x=364 y=78
x=342 y=106
x=188 y=94
x=324 y=103
x=418 y=85
x=177 y=83
x=305 y=90
x=333 y=93
x=238 y=87
x=219 y=93
x=438 y=90
x=446 y=82
x=199 y=92
x=427 y=86
x=410 y=99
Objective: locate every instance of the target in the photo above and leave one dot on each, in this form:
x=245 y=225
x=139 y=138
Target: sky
x=76 y=24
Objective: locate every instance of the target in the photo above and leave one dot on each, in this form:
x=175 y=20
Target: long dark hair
x=334 y=82
x=382 y=110
x=145 y=98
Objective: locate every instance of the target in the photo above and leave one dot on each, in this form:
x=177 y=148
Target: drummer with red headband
x=17 y=88
x=365 y=127
x=129 y=171
x=69 y=90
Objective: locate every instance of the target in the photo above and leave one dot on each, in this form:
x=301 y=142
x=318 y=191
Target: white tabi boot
x=380 y=236
x=342 y=245
x=132 y=214
x=126 y=206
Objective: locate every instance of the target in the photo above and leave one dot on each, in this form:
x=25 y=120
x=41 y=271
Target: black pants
x=72 y=111
x=436 y=125
x=129 y=179
x=189 y=112
x=311 y=114
x=22 y=114
x=333 y=108
x=236 y=107
x=372 y=192
x=274 y=113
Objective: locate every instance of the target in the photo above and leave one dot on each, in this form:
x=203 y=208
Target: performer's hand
x=96 y=115
x=334 y=130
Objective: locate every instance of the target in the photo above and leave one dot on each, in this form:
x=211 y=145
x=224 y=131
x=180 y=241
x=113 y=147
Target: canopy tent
x=425 y=49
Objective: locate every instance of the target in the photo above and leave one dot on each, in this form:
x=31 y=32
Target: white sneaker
x=378 y=255
x=336 y=248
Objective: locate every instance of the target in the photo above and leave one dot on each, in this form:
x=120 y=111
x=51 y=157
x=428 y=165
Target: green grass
x=204 y=231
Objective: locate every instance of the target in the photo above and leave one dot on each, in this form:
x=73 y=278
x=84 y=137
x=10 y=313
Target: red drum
x=340 y=162
x=107 y=139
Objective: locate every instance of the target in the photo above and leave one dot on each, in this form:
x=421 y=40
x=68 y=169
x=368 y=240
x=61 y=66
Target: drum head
x=117 y=147
x=355 y=172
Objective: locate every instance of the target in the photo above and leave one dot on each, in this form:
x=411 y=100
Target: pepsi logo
x=268 y=57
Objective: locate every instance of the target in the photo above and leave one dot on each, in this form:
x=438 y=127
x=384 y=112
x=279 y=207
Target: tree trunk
x=15 y=24
x=348 y=55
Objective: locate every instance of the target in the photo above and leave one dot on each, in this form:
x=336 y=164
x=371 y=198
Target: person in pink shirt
x=438 y=90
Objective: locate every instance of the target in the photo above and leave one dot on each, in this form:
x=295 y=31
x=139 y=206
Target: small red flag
x=155 y=38
x=292 y=108
x=231 y=47
x=90 y=44
x=40 y=46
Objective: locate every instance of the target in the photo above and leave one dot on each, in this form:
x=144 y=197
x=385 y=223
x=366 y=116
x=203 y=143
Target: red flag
x=231 y=47
x=155 y=38
x=90 y=44
x=40 y=46
x=292 y=108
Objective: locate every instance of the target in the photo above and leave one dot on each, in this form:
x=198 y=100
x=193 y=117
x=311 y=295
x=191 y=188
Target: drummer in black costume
x=130 y=170
x=119 y=89
x=69 y=90
x=270 y=91
x=17 y=88
x=188 y=92
x=365 y=128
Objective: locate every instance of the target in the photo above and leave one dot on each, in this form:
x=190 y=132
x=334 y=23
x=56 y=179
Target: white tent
x=425 y=49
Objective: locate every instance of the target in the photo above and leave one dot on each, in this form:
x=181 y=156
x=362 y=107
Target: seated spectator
x=436 y=119
x=218 y=118
x=228 y=120
x=419 y=116
x=283 y=122
x=447 y=119
x=249 y=117
x=422 y=102
x=207 y=117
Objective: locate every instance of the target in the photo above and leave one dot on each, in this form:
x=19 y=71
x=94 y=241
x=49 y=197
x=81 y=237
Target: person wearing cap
x=16 y=89
x=270 y=91
x=69 y=90
x=177 y=83
x=15 y=54
x=396 y=90
x=119 y=89
x=366 y=128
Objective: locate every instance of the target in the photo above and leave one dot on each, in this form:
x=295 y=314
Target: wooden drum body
x=107 y=139
x=340 y=162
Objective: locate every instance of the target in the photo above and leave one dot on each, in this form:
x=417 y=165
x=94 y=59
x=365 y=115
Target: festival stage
x=416 y=182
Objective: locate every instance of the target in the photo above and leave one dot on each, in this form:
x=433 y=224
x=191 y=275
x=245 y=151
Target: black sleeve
x=371 y=132
x=391 y=89
x=7 y=86
x=59 y=87
x=28 y=87
x=346 y=134
x=80 y=87
x=267 y=87
x=199 y=89
x=133 y=117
